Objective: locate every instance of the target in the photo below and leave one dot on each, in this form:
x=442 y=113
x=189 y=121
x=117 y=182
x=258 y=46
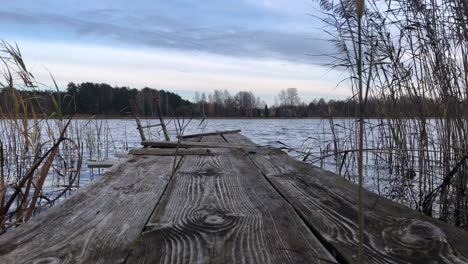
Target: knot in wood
x=208 y=172
x=213 y=220
x=408 y=236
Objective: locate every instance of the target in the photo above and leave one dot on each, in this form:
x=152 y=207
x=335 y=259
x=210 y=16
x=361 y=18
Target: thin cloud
x=167 y=32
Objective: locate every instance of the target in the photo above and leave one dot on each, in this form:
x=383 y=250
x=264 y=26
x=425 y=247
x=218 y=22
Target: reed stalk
x=411 y=57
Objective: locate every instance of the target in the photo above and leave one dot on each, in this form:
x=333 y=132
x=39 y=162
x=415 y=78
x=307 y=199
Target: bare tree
x=289 y=97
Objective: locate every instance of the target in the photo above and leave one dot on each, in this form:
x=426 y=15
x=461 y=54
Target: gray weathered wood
x=189 y=144
x=213 y=139
x=139 y=127
x=211 y=134
x=393 y=233
x=220 y=209
x=239 y=204
x=97 y=224
x=328 y=204
x=100 y=164
x=170 y=152
x=150 y=126
x=238 y=139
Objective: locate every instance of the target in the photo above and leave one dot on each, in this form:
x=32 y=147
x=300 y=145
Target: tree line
x=289 y=104
x=102 y=99
x=96 y=99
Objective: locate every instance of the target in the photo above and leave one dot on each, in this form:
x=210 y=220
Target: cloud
x=182 y=45
x=157 y=30
x=295 y=7
x=175 y=70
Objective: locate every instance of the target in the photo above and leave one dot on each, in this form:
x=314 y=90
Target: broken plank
x=97 y=224
x=150 y=126
x=100 y=164
x=211 y=134
x=220 y=209
x=214 y=139
x=190 y=144
x=238 y=139
x=170 y=152
x=328 y=204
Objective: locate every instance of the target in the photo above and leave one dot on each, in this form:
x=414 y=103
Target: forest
x=101 y=99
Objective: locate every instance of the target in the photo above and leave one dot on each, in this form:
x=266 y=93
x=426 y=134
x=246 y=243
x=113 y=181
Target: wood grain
x=237 y=205
x=170 y=152
x=220 y=209
x=97 y=224
x=214 y=139
x=328 y=203
x=190 y=144
x=238 y=139
x=210 y=134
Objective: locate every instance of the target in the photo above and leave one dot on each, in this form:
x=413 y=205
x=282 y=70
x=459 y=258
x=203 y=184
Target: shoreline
x=197 y=118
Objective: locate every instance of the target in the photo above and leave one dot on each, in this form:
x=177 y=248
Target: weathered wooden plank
x=210 y=134
x=393 y=233
x=213 y=139
x=100 y=164
x=150 y=126
x=170 y=152
x=220 y=209
x=139 y=127
x=189 y=144
x=238 y=139
x=97 y=224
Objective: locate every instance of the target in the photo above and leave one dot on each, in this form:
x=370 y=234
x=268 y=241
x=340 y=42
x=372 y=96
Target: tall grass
x=412 y=51
x=34 y=145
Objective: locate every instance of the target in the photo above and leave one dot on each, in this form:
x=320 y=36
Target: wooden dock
x=226 y=201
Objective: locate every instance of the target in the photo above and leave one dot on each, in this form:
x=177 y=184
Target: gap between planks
x=246 y=226
x=333 y=251
x=241 y=139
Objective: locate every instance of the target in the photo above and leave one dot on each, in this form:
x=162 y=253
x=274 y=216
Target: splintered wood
x=222 y=199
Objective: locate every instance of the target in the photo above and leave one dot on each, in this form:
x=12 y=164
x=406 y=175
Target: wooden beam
x=170 y=152
x=189 y=144
x=211 y=133
x=213 y=139
x=139 y=127
x=150 y=126
x=100 y=164
x=238 y=139
x=161 y=120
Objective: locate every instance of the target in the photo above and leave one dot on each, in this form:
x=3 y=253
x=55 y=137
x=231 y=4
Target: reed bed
x=41 y=153
x=414 y=52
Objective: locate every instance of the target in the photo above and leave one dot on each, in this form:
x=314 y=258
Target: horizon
x=183 y=47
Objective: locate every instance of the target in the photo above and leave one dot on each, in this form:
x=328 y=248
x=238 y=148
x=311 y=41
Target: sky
x=179 y=45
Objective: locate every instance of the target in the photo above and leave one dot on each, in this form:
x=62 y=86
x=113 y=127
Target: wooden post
x=140 y=128
x=137 y=119
x=161 y=120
